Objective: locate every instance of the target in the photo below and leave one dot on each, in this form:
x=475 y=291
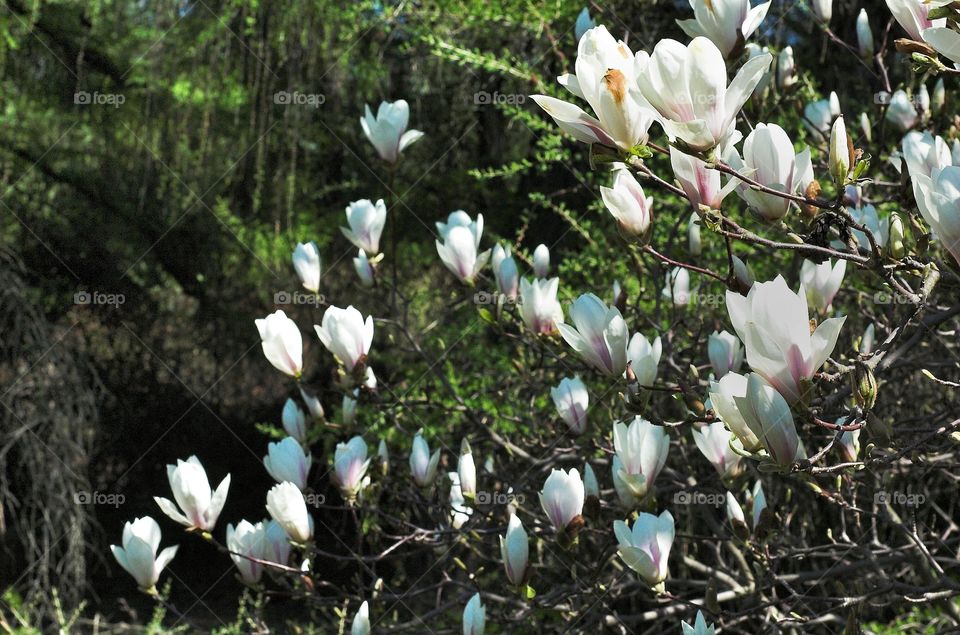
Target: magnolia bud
x=939 y=97
x=864 y=36
x=896 y=236
x=865 y=126
x=839 y=152
x=864 y=386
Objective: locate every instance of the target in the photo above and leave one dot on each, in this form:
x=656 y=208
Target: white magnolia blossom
x=460 y=512
x=864 y=35
x=423 y=465
x=677 y=287
x=773 y=323
x=541 y=261
x=840 y=160
x=460 y=218
x=467 y=471
x=758 y=503
x=923 y=153
x=768 y=416
x=599 y=335
x=823 y=9
x=821 y=282
x=514 y=550
x=694 y=244
x=460 y=249
x=700 y=183
x=264 y=540
x=628 y=204
x=388 y=130
x=288 y=461
x=366 y=221
x=641 y=452
x=562 y=497
x=346 y=334
x=137 y=552
x=199 y=506
x=818 y=116
x=699 y=626
x=361 y=621
x=786 y=68
x=584 y=23
x=606 y=72
x=306 y=262
x=646 y=548
x=286 y=505
x=643 y=357
x=364 y=268
x=571 y=398
x=725 y=352
x=734 y=510
x=294 y=421
x=539 y=308
x=939 y=97
x=938 y=197
x=312 y=400
x=350 y=465
x=506 y=273
x=474 y=616
x=769 y=159
x=901 y=112
x=713 y=441
x=727 y=23
x=348 y=407
x=687 y=85
x=281 y=342
x=912 y=16
x=723 y=400
x=591 y=487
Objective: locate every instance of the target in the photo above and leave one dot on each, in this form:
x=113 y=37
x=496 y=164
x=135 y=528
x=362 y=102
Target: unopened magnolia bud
x=896 y=236
x=939 y=97
x=864 y=36
x=840 y=152
x=866 y=127
x=864 y=385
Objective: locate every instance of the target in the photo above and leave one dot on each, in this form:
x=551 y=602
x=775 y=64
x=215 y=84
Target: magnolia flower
x=868 y=339
x=725 y=352
x=348 y=408
x=306 y=262
x=459 y=250
x=939 y=97
x=571 y=399
x=700 y=183
x=286 y=505
x=687 y=85
x=900 y=111
x=773 y=323
x=699 y=626
x=474 y=616
x=201 y=506
x=758 y=504
x=605 y=74
x=821 y=282
x=646 y=548
x=423 y=465
x=924 y=153
x=628 y=204
x=600 y=336
x=467 y=471
x=769 y=159
x=388 y=132
x=727 y=23
x=138 y=553
x=281 y=342
x=912 y=16
x=539 y=308
x=361 y=621
x=245 y=542
x=460 y=512
x=734 y=510
x=514 y=550
x=938 y=197
x=641 y=452
x=562 y=497
x=350 y=465
x=818 y=115
x=276 y=544
x=312 y=400
x=723 y=396
x=584 y=23
x=590 y=485
x=644 y=358
x=505 y=272
x=287 y=461
x=923 y=100
x=366 y=222
x=677 y=287
x=786 y=68
x=823 y=9
x=713 y=441
x=849 y=442
x=866 y=127
x=541 y=261
x=864 y=35
x=694 y=244
x=878 y=227
x=768 y=416
x=840 y=160
x=364 y=269
x=346 y=334
x=294 y=421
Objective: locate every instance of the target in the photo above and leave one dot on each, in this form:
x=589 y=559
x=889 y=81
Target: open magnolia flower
x=773 y=323
x=646 y=548
x=687 y=85
x=460 y=249
x=600 y=336
x=366 y=221
x=699 y=182
x=286 y=505
x=539 y=308
x=767 y=414
x=288 y=461
x=605 y=78
x=346 y=334
x=388 y=130
x=912 y=16
x=641 y=452
x=281 y=342
x=822 y=282
x=769 y=159
x=713 y=441
x=350 y=465
x=938 y=197
x=723 y=399
x=200 y=505
x=137 y=552
x=727 y=23
x=643 y=356
x=562 y=497
x=923 y=153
